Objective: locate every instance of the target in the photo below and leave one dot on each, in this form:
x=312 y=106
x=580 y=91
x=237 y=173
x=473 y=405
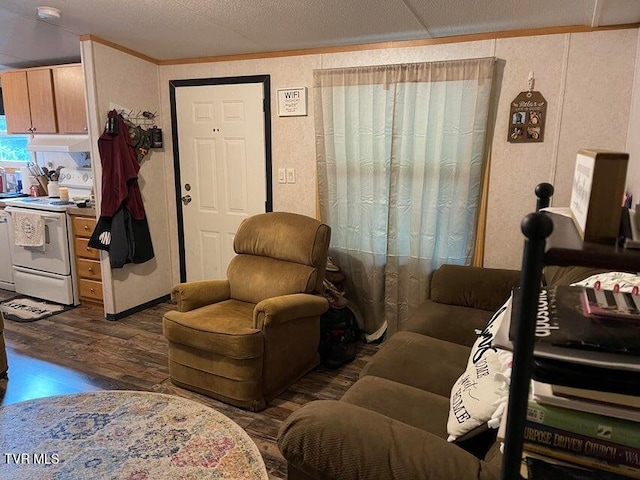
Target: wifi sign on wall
x=292 y=102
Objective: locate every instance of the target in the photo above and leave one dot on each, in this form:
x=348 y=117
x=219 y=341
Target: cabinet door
x=68 y=85
x=15 y=95
x=43 y=113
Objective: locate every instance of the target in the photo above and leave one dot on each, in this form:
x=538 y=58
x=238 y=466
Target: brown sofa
x=391 y=424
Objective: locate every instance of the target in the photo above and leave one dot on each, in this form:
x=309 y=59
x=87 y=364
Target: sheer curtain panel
x=400 y=155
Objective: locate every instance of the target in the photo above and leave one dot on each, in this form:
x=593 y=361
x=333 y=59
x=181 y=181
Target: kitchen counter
x=87 y=212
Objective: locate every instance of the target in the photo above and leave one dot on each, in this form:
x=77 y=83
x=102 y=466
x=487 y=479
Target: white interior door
x=222 y=161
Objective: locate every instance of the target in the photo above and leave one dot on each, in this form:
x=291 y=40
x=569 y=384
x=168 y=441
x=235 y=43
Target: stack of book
x=585 y=404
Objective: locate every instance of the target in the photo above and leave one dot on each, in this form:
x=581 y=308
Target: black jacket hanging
x=122 y=228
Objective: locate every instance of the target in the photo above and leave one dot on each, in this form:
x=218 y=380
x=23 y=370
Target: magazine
x=589 y=352
x=561 y=322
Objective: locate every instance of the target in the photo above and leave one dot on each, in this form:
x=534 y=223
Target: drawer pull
x=91 y=269
x=88 y=249
x=92 y=290
x=86 y=227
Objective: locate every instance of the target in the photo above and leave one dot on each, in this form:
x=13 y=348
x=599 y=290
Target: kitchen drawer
x=90 y=290
x=89 y=269
x=83 y=250
x=83 y=226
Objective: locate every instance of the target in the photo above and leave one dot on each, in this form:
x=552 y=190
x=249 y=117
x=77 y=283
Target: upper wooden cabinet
x=45 y=100
x=29 y=101
x=68 y=83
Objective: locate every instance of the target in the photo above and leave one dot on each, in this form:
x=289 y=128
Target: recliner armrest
x=281 y=309
x=474 y=287
x=333 y=440
x=192 y=295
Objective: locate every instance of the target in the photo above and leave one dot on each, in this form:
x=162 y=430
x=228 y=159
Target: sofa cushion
x=555 y=275
x=447 y=322
x=474 y=287
x=401 y=402
x=252 y=278
x=267 y=235
x=419 y=361
x=337 y=440
x=224 y=328
x=479 y=395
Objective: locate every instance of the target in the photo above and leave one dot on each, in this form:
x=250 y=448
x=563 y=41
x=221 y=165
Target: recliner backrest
x=278 y=253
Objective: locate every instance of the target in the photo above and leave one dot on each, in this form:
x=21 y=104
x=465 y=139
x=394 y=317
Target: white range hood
x=59 y=143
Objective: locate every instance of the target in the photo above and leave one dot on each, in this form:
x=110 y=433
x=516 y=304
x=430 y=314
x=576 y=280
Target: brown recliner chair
x=246 y=339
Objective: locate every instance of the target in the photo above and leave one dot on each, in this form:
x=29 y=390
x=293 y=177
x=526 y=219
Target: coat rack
x=143 y=130
x=141 y=118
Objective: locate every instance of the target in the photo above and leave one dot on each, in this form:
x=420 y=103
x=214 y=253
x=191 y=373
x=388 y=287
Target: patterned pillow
x=608 y=280
x=479 y=395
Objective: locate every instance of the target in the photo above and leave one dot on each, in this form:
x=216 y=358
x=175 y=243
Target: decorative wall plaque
x=527 y=118
x=292 y=102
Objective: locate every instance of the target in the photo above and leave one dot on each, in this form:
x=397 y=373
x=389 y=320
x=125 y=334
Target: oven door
x=54 y=256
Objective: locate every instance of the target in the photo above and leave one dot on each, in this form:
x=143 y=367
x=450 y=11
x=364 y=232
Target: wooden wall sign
x=596 y=198
x=527 y=118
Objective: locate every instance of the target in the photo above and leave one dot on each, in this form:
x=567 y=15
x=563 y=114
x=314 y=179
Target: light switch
x=291 y=175
x=281 y=176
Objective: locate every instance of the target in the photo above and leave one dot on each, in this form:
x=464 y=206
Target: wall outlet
x=291 y=175
x=282 y=176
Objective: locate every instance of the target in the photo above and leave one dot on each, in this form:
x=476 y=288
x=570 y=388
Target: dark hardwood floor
x=79 y=351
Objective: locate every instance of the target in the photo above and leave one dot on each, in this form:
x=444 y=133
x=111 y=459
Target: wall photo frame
x=527 y=118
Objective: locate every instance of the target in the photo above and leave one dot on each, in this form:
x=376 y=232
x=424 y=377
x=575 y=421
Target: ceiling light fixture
x=47 y=13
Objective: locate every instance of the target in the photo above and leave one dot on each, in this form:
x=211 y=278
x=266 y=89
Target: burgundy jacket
x=122 y=228
x=119 y=173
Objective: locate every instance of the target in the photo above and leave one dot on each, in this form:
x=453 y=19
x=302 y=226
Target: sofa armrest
x=333 y=440
x=275 y=310
x=192 y=295
x=474 y=287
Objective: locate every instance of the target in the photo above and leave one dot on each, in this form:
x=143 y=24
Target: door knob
x=186 y=199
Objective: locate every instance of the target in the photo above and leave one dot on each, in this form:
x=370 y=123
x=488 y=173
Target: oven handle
x=43 y=215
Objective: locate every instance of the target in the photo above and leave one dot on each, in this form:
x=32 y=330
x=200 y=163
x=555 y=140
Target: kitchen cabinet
x=68 y=83
x=29 y=101
x=45 y=100
x=87 y=260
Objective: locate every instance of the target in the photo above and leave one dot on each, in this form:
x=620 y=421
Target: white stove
x=46 y=269
x=78 y=181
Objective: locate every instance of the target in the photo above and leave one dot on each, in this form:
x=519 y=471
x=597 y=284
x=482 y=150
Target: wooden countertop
x=85 y=212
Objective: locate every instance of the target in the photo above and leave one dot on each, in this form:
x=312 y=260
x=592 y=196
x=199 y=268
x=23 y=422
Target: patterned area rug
x=27 y=309
x=123 y=435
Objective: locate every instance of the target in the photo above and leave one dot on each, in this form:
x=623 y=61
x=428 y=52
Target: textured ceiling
x=173 y=29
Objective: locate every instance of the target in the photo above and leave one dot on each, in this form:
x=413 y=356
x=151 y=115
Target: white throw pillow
x=479 y=396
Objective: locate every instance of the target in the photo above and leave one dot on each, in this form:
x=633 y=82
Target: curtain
x=400 y=155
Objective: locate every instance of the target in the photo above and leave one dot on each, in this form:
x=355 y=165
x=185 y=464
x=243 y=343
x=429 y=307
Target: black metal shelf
x=550 y=239
x=564 y=247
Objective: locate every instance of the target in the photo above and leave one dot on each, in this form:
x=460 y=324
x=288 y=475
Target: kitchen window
x=13 y=148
